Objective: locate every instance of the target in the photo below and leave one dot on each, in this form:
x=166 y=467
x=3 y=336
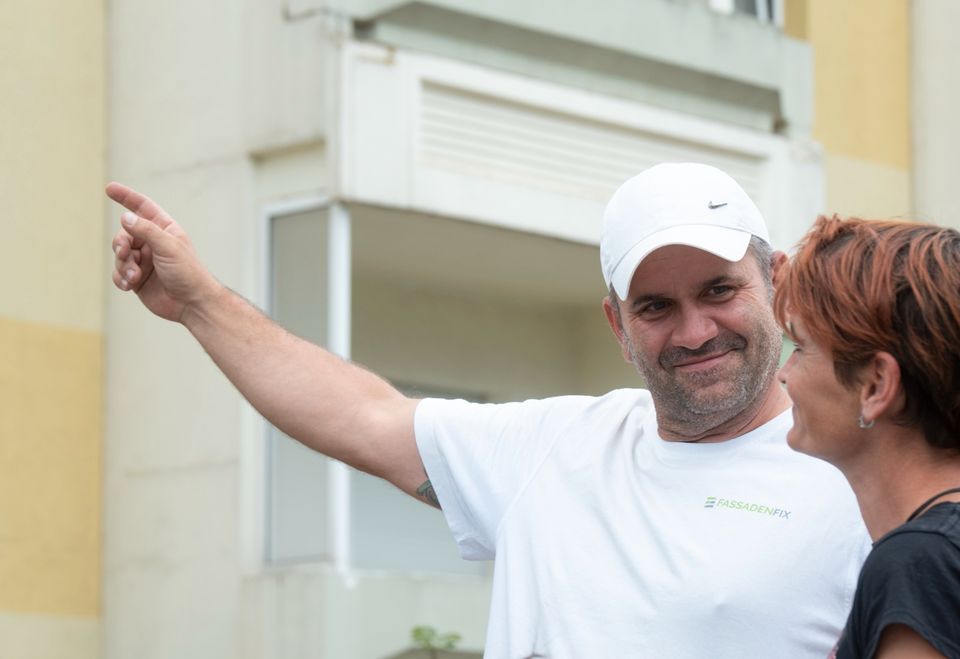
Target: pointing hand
x=155 y=259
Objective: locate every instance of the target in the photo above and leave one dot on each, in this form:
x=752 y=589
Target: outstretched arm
x=331 y=405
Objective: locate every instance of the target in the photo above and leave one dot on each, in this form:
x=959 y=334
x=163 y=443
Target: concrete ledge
x=643 y=51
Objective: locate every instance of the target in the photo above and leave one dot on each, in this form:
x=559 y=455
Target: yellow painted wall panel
x=862 y=91
x=50 y=458
x=48 y=637
x=52 y=170
x=866 y=189
x=795 y=18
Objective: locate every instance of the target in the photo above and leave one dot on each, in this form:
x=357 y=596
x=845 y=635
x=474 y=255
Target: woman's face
x=825 y=412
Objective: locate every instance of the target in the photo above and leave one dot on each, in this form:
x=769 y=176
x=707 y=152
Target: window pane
x=298 y=501
x=393 y=531
x=446 y=308
x=297 y=476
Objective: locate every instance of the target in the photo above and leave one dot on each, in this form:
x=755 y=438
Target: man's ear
x=614 y=320
x=881 y=388
x=777 y=261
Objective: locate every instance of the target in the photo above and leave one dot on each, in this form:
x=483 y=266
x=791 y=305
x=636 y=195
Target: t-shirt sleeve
x=478 y=458
x=911 y=579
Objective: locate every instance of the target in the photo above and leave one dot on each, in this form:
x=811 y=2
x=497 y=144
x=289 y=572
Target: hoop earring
x=863 y=423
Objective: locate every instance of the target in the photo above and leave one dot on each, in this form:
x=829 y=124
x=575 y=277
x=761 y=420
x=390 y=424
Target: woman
x=874 y=310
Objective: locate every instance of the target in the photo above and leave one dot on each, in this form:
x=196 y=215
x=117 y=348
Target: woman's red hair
x=861 y=287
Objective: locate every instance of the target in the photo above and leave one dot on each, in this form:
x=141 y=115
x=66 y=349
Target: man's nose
x=694 y=329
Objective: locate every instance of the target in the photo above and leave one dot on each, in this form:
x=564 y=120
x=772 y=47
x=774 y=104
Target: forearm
x=329 y=404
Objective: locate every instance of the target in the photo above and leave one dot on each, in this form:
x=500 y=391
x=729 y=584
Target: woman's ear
x=881 y=389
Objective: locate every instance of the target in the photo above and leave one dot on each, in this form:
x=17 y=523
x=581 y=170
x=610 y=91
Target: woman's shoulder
x=929 y=543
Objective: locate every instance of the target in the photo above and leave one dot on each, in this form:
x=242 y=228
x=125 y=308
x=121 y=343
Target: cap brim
x=729 y=244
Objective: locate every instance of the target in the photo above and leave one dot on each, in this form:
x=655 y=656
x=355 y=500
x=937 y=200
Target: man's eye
x=719 y=291
x=651 y=308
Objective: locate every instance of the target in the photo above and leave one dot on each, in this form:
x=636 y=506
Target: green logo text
x=747 y=507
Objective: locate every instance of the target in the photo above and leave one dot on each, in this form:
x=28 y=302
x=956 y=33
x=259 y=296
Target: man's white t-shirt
x=611 y=542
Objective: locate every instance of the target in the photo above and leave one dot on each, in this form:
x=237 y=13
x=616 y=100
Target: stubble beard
x=693 y=404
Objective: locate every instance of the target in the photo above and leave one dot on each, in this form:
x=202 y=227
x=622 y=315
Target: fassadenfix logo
x=747 y=507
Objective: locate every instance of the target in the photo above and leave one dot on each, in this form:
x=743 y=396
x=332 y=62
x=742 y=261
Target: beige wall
x=52 y=165
x=210 y=134
x=861 y=101
x=511 y=350
x=936 y=106
x=51 y=277
x=861 y=86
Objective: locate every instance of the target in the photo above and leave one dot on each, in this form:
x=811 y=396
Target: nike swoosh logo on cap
x=712 y=205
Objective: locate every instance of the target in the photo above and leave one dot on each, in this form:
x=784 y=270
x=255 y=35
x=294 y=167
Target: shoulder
x=626 y=400
x=535 y=421
x=616 y=409
x=920 y=553
x=937 y=531
x=619 y=402
x=912 y=578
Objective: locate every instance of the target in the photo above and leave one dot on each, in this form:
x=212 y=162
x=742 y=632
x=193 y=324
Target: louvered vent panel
x=489 y=137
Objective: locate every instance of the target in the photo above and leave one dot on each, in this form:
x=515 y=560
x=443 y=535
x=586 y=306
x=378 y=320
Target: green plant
x=429 y=639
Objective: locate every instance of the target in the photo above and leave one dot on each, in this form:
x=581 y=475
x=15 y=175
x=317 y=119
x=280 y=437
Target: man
x=673 y=522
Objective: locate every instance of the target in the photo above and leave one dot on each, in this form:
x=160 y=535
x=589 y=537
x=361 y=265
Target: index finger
x=140 y=204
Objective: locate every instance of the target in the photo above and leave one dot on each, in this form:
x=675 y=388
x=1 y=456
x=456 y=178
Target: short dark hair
x=861 y=287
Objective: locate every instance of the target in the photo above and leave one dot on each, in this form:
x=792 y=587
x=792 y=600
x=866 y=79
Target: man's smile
x=701 y=362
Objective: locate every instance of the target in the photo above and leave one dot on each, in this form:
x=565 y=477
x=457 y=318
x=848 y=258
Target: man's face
x=701 y=332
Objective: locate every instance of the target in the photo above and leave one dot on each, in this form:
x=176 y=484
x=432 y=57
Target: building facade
x=51 y=327
x=417 y=186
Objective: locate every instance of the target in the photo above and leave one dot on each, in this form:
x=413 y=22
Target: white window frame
x=254 y=482
x=763 y=13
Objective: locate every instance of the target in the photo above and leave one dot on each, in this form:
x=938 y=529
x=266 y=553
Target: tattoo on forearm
x=427 y=493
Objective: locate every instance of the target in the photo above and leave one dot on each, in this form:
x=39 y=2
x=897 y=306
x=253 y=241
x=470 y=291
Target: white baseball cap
x=675 y=204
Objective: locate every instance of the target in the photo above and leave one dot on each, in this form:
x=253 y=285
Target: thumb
x=146 y=232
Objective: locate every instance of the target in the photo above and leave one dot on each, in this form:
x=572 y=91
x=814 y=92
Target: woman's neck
x=891 y=483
